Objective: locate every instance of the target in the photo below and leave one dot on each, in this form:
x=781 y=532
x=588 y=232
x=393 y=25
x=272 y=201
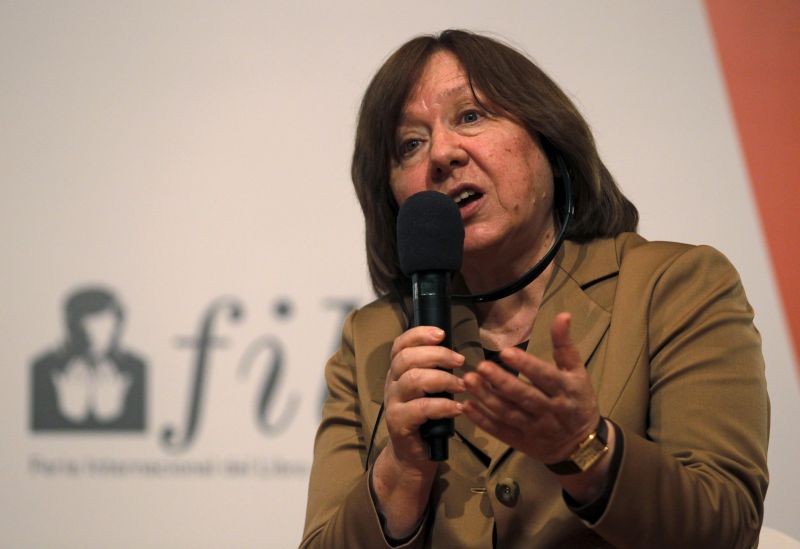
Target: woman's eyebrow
x=461 y=89
x=457 y=90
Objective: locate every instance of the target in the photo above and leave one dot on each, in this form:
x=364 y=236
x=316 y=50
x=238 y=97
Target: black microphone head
x=430 y=234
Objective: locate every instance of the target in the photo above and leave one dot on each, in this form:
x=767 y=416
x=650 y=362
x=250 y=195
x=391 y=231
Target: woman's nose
x=446 y=154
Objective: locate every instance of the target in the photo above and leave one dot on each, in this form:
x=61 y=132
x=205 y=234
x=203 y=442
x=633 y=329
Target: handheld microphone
x=430 y=245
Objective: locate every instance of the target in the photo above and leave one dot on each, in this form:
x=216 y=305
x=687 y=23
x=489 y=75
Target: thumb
x=564 y=351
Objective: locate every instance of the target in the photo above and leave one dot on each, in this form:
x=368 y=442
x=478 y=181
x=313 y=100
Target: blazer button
x=507 y=491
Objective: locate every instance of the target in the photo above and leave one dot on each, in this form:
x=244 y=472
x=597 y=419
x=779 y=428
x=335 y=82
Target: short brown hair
x=514 y=84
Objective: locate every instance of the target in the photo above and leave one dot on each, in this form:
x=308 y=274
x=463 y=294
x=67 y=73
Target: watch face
x=589 y=453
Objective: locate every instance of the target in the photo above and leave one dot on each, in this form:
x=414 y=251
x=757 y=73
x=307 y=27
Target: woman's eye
x=408 y=146
x=470 y=116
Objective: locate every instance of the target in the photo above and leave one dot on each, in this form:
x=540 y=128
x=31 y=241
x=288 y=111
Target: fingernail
x=459 y=407
x=437 y=332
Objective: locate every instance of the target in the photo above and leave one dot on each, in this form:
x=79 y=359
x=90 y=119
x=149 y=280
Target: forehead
x=443 y=77
x=442 y=70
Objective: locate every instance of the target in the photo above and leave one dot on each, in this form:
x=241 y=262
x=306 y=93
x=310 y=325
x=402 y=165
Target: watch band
x=587 y=454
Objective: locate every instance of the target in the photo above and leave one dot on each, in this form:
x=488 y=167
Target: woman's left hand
x=546 y=418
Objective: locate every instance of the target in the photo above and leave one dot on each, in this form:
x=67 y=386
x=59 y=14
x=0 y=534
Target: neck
x=508 y=321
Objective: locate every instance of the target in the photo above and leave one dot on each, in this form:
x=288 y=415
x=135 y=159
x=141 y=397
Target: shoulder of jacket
x=384 y=313
x=378 y=306
x=633 y=250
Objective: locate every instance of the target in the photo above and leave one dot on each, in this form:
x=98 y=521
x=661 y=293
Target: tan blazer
x=667 y=335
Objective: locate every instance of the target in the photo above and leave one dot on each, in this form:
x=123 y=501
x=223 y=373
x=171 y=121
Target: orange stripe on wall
x=758 y=44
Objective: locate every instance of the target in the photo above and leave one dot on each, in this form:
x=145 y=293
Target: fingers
x=424 y=357
x=418 y=348
x=419 y=369
x=418 y=382
x=547 y=377
x=497 y=428
x=405 y=418
x=499 y=391
x=543 y=411
x=522 y=415
x=543 y=374
x=416 y=337
x=564 y=351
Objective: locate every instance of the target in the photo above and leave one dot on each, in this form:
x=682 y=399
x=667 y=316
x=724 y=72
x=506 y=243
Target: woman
x=647 y=428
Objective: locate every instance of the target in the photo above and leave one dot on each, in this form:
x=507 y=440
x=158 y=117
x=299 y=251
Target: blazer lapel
x=466 y=340
x=566 y=293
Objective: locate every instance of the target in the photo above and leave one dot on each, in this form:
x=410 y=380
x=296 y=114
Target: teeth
x=463 y=195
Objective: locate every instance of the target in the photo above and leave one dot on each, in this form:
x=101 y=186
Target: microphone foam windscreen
x=430 y=234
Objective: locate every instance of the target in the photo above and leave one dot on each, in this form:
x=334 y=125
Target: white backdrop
x=193 y=159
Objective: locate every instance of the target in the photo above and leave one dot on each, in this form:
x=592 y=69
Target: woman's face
x=496 y=172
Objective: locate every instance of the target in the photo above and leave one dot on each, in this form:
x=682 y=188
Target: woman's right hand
x=403 y=474
x=413 y=374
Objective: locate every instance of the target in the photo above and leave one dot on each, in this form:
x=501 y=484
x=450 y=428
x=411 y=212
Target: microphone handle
x=431 y=301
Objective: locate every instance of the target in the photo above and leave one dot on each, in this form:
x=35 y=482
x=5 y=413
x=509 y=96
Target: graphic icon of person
x=89 y=383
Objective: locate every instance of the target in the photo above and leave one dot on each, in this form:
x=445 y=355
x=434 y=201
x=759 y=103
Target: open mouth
x=466 y=197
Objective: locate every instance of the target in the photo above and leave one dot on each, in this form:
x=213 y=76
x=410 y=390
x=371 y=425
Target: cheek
x=398 y=191
x=406 y=183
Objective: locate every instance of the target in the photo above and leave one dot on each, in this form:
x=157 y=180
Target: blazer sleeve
x=698 y=476
x=340 y=511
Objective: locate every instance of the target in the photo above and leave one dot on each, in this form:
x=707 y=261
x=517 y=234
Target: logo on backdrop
x=90 y=382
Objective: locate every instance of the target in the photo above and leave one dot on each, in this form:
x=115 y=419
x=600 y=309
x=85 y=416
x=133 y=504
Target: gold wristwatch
x=588 y=453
